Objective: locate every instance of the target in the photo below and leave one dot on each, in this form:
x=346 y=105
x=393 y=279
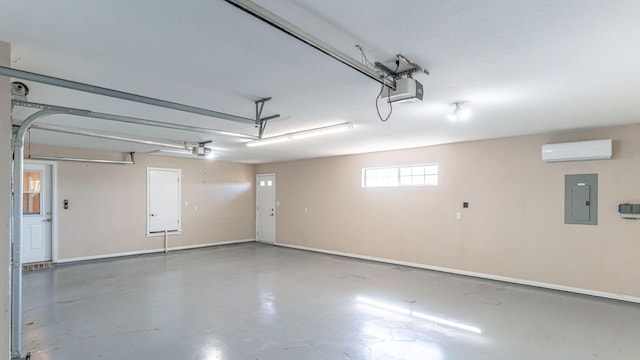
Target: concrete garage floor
x=254 y=301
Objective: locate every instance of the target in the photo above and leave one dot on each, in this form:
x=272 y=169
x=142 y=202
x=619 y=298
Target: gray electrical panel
x=581 y=199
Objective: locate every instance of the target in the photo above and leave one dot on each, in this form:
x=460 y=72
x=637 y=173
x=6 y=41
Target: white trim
x=169 y=233
x=544 y=285
x=179 y=172
x=150 y=251
x=54 y=208
x=269 y=243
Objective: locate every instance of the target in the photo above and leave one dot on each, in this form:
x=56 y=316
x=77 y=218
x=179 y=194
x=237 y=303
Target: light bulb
x=459 y=113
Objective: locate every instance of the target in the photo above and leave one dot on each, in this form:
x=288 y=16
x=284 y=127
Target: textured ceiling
x=523 y=67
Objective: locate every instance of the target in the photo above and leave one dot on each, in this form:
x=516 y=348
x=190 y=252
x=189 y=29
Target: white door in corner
x=36 y=213
x=266 y=208
x=163 y=200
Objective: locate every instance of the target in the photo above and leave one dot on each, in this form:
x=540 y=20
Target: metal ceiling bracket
x=385 y=70
x=260 y=121
x=414 y=67
x=279 y=23
x=74 y=85
x=259 y=106
x=404 y=73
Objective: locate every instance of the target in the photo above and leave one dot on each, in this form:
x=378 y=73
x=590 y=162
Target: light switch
x=458 y=216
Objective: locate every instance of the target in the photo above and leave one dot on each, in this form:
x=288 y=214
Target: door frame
x=275 y=205
x=54 y=203
x=172 y=232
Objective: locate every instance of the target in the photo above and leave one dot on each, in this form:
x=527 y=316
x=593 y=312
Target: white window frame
x=414 y=175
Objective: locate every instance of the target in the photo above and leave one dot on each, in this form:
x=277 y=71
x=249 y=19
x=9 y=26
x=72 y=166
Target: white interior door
x=266 y=208
x=163 y=200
x=36 y=214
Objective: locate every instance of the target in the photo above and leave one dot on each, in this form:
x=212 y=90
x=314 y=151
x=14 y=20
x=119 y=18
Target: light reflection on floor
x=397 y=332
x=416 y=314
x=212 y=353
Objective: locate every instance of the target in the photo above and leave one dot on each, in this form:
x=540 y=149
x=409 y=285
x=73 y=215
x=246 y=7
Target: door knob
x=153 y=214
x=46 y=220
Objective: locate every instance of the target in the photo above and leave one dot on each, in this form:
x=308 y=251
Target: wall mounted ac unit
x=580 y=150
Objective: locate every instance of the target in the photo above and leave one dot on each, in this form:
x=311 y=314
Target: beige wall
x=107 y=203
x=5 y=208
x=514 y=226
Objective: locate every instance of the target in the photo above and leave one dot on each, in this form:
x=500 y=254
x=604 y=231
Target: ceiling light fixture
x=326 y=130
x=460 y=112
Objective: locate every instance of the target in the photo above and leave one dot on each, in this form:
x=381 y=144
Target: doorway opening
x=38 y=217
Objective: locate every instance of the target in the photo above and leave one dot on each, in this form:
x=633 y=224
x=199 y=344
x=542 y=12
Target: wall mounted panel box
x=580 y=150
x=581 y=199
x=629 y=211
x=407 y=90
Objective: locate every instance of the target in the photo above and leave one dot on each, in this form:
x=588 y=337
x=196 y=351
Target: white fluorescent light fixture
x=182 y=153
x=332 y=129
x=460 y=112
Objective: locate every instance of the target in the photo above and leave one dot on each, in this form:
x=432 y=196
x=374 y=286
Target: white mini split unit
x=407 y=90
x=580 y=150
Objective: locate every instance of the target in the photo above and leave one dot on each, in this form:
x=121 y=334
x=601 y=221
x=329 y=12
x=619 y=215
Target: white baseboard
x=473 y=274
x=266 y=242
x=150 y=251
x=544 y=285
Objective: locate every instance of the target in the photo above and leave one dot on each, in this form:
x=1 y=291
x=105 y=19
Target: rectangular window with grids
x=407 y=175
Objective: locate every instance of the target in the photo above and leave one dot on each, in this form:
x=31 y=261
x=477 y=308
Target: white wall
x=107 y=203
x=5 y=201
x=514 y=226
